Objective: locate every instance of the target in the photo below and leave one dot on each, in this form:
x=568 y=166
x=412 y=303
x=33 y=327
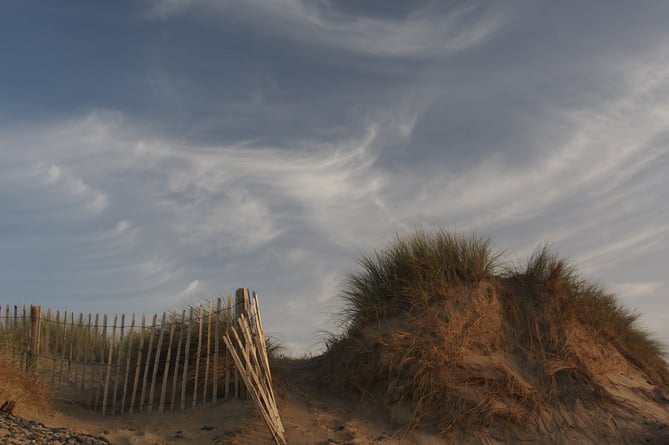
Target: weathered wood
x=208 y=355
x=228 y=357
x=138 y=364
x=147 y=367
x=71 y=344
x=119 y=357
x=35 y=315
x=8 y=333
x=166 y=371
x=252 y=364
x=176 y=360
x=247 y=380
x=103 y=358
x=23 y=357
x=77 y=348
x=246 y=343
x=128 y=357
x=55 y=348
x=258 y=329
x=157 y=361
x=95 y=359
x=186 y=359
x=110 y=358
x=47 y=326
x=63 y=347
x=241 y=307
x=197 y=357
x=245 y=355
x=87 y=349
x=217 y=333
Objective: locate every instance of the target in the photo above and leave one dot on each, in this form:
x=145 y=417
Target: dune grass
x=549 y=289
x=413 y=271
x=30 y=394
x=417 y=308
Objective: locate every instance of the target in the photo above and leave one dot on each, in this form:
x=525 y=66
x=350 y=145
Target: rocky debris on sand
x=15 y=430
x=8 y=407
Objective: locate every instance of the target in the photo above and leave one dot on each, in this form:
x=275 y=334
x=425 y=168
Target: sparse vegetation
x=30 y=394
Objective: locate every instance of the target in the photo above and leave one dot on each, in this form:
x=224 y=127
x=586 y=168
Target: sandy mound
x=533 y=354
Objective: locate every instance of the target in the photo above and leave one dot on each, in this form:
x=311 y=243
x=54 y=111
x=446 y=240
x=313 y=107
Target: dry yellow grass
x=31 y=396
x=445 y=337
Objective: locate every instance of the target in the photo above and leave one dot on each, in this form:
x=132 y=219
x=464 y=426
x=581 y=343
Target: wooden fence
x=128 y=364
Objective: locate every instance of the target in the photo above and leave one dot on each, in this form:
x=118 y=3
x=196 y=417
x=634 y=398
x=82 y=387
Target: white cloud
x=167 y=8
x=425 y=33
x=636 y=289
x=122 y=226
x=192 y=286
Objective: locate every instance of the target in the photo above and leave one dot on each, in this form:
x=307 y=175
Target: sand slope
x=314 y=415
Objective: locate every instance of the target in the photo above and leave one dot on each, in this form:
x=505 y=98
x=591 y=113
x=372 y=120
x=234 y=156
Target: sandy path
x=202 y=425
x=313 y=416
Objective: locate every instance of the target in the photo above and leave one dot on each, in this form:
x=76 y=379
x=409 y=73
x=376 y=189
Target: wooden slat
x=228 y=357
x=63 y=348
x=95 y=359
x=70 y=330
x=138 y=364
x=217 y=333
x=102 y=360
x=197 y=357
x=55 y=347
x=105 y=397
x=184 y=381
x=245 y=340
x=119 y=357
x=46 y=347
x=176 y=360
x=147 y=367
x=78 y=332
x=253 y=366
x=258 y=329
x=166 y=370
x=157 y=361
x=23 y=343
x=251 y=380
x=128 y=357
x=208 y=354
x=87 y=351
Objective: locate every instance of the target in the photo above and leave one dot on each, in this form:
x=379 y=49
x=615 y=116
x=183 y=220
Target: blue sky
x=155 y=153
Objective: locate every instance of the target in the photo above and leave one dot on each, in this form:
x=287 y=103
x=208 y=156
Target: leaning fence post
x=241 y=307
x=31 y=363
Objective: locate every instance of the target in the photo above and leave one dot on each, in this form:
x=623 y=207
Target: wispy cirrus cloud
x=426 y=31
x=211 y=202
x=268 y=143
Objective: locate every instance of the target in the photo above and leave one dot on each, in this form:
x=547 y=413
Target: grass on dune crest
x=548 y=288
x=411 y=272
x=422 y=315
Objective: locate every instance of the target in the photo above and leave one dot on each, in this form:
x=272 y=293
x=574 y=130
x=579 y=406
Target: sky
x=159 y=153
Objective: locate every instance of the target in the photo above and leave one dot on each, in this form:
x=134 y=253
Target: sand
x=313 y=415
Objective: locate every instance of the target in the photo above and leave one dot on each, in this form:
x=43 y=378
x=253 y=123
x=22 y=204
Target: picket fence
x=117 y=365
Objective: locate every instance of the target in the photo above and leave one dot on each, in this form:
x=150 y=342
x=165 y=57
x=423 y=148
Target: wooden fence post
x=241 y=307
x=35 y=314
